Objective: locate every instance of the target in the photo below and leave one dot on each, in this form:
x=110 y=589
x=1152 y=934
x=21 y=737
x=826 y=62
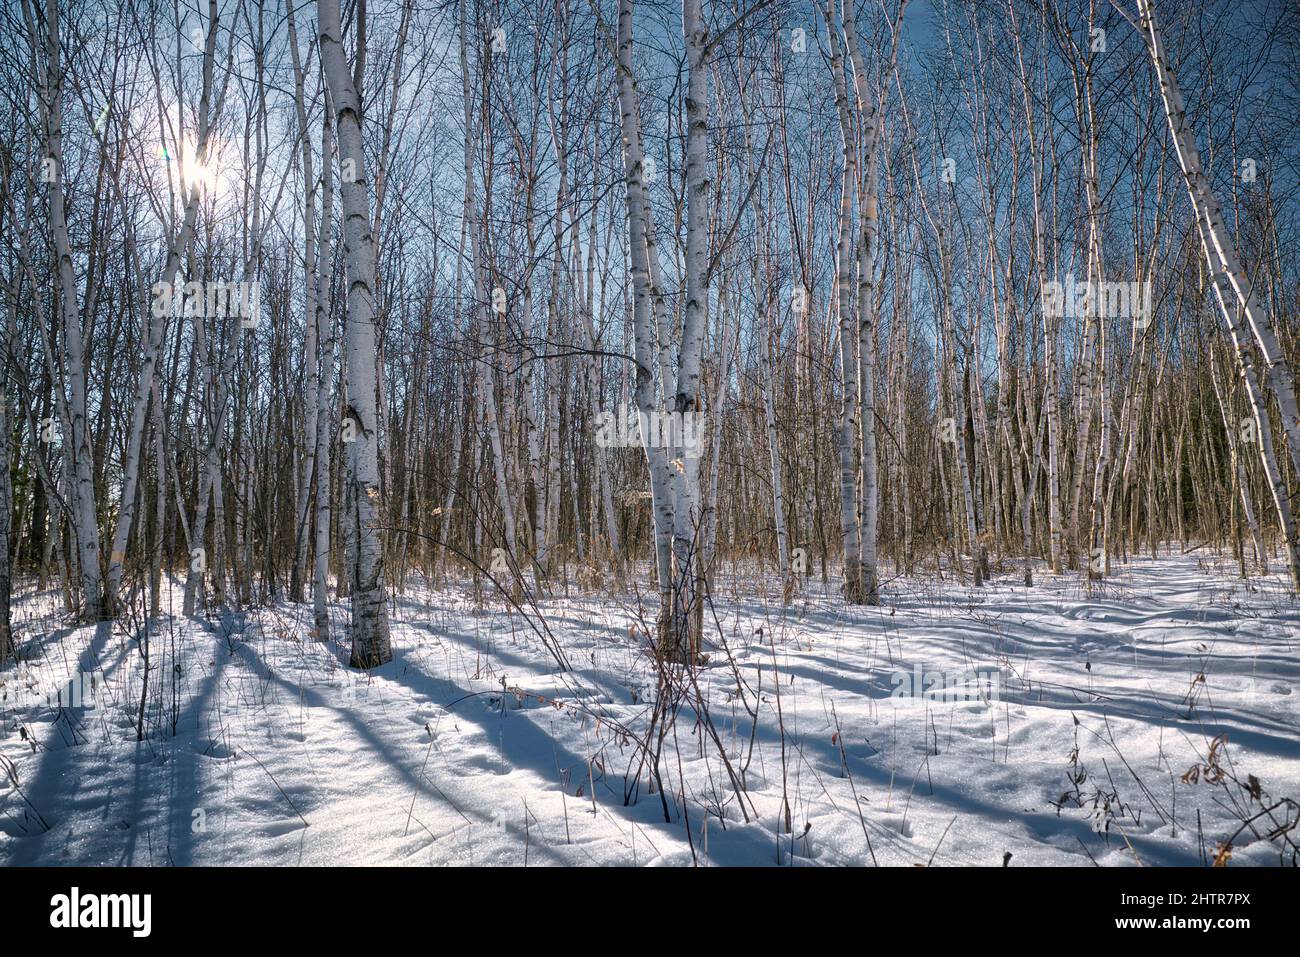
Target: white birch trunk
x=325 y=339
x=371 y=645
x=485 y=378
x=1229 y=281
x=84 y=513
x=644 y=302
x=854 y=586
x=303 y=518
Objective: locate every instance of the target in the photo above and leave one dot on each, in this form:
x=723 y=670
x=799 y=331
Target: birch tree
x=1236 y=297
x=371 y=645
x=72 y=403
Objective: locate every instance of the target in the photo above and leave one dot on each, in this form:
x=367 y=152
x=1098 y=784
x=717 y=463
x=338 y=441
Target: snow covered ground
x=262 y=747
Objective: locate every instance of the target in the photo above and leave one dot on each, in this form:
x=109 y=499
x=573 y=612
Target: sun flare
x=189 y=171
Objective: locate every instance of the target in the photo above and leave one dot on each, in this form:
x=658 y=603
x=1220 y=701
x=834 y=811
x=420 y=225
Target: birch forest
x=688 y=432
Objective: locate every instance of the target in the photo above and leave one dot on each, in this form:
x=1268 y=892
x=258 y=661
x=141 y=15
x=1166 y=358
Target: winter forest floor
x=262 y=747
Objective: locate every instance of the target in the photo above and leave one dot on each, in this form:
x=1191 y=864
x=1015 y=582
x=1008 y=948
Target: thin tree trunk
x=371 y=644
x=1229 y=281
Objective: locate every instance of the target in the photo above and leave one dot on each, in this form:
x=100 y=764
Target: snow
x=283 y=755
